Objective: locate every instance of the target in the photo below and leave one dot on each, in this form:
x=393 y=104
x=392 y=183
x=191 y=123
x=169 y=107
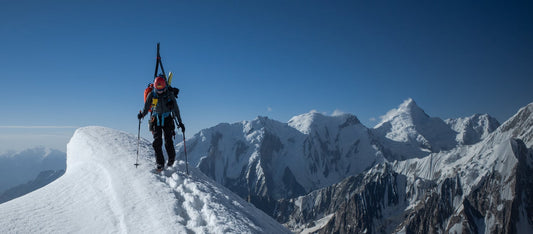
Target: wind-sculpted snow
x=102 y=192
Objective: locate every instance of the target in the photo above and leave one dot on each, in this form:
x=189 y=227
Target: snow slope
x=102 y=192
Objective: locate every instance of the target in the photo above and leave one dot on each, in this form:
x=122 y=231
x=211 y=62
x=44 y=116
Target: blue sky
x=67 y=64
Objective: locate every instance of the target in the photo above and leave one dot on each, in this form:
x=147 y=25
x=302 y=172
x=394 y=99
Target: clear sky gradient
x=65 y=64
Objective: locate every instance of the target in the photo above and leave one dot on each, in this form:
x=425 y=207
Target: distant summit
x=408 y=132
x=473 y=129
x=305 y=123
x=408 y=113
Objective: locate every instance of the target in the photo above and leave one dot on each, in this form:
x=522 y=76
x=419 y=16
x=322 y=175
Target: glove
x=140 y=115
x=182 y=127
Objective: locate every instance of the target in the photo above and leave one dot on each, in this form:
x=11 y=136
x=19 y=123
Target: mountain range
x=44 y=178
x=411 y=173
x=27 y=170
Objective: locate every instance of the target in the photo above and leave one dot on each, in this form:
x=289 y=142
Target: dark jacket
x=166 y=104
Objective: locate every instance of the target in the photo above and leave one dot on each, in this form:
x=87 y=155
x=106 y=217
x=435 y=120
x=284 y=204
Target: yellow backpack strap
x=154 y=103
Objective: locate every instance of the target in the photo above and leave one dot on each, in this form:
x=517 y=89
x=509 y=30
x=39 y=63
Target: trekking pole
x=184 y=148
x=138 y=144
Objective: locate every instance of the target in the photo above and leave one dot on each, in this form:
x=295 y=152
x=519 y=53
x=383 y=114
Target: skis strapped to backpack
x=168 y=80
x=158 y=64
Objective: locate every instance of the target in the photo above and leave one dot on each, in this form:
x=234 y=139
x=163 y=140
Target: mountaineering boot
x=159 y=167
x=170 y=162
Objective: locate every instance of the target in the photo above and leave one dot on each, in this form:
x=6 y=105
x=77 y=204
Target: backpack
x=148 y=90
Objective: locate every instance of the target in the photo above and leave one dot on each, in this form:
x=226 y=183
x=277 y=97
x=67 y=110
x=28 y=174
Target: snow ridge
x=128 y=199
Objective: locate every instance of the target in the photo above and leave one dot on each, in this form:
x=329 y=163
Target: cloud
x=269 y=109
x=337 y=112
x=36 y=127
x=373 y=119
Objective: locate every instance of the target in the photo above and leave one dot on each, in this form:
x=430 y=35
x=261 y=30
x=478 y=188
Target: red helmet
x=160 y=83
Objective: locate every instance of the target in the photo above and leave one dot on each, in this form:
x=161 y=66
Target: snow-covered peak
x=406 y=113
x=305 y=123
x=267 y=124
x=410 y=132
x=103 y=192
x=473 y=129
